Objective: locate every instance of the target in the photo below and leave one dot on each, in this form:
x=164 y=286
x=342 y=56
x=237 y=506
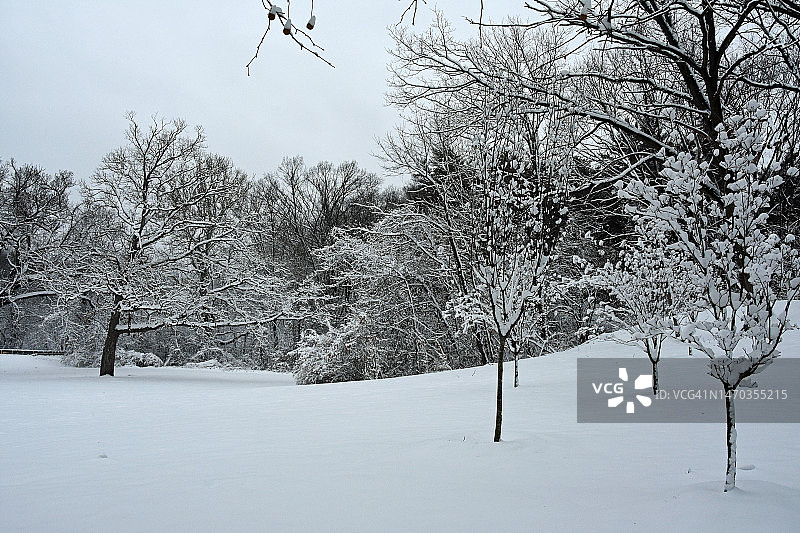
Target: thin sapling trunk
x=499 y=416
x=730 y=434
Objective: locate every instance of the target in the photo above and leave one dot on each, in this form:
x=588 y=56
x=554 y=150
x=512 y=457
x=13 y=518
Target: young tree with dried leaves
x=739 y=263
x=656 y=289
x=525 y=163
x=520 y=153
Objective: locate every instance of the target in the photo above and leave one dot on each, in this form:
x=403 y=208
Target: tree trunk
x=110 y=346
x=482 y=348
x=730 y=412
x=498 y=423
x=655 y=377
x=516 y=368
x=652 y=348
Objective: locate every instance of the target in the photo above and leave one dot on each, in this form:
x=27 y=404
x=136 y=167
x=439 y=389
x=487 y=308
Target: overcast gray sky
x=71 y=71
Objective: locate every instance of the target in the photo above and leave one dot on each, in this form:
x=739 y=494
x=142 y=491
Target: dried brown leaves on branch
x=275 y=13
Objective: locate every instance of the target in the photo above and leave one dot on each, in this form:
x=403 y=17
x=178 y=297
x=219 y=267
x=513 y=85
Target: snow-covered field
x=173 y=449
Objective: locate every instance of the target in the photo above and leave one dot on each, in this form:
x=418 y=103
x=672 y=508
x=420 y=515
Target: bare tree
x=170 y=251
x=34 y=220
x=522 y=150
x=303 y=205
x=676 y=69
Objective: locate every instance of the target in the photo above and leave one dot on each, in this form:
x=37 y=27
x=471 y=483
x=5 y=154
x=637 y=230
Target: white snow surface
x=193 y=449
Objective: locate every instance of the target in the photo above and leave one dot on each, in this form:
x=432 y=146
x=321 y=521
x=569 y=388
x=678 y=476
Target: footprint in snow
x=747 y=467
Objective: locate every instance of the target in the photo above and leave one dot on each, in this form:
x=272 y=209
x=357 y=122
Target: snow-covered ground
x=173 y=449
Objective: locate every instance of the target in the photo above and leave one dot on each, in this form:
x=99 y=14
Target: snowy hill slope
x=170 y=449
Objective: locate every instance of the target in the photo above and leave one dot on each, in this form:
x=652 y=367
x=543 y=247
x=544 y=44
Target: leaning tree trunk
x=516 y=368
x=498 y=423
x=730 y=419
x=110 y=346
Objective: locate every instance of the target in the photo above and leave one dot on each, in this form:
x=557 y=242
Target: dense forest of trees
x=605 y=167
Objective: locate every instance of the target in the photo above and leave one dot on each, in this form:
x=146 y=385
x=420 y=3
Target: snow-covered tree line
x=689 y=110
x=34 y=212
x=632 y=93
x=168 y=248
x=607 y=165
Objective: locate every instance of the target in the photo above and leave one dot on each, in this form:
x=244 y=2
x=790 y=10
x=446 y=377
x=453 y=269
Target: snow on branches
x=523 y=172
x=171 y=244
x=741 y=265
x=34 y=216
x=522 y=215
x=656 y=289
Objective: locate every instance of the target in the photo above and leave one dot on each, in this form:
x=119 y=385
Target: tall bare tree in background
x=35 y=224
x=301 y=205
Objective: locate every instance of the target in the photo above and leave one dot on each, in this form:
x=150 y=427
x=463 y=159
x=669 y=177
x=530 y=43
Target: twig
x=258 y=48
x=480 y=25
x=309 y=47
x=414 y=4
